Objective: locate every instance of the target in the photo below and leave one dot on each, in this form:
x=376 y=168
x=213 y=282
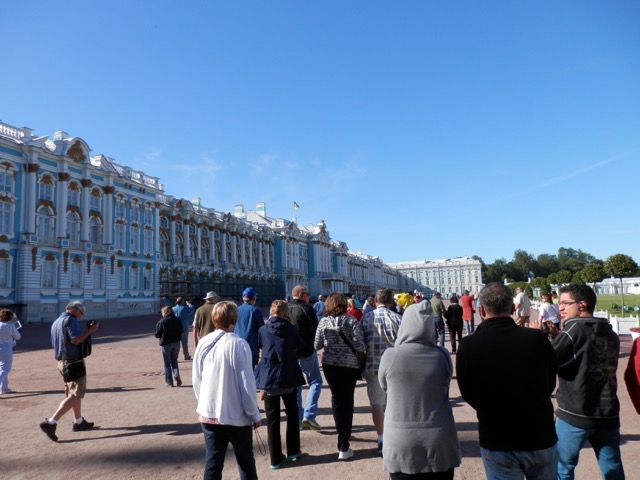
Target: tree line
x=567 y=266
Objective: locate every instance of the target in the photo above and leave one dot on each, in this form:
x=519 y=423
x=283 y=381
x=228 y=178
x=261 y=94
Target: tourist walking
x=225 y=390
x=278 y=375
x=468 y=311
x=453 y=314
x=340 y=335
x=249 y=321
x=183 y=310
x=169 y=333
x=507 y=374
x=420 y=433
x=8 y=336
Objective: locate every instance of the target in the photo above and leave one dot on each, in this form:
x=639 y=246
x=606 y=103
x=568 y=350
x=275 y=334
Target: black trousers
x=272 y=409
x=453 y=332
x=342 y=383
x=448 y=475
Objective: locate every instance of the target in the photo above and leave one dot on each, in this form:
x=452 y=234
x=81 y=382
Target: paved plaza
x=144 y=429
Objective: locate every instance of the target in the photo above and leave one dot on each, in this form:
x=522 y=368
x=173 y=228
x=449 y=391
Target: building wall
x=79 y=227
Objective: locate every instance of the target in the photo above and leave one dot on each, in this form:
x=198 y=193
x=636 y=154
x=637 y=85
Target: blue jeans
x=6 y=362
x=440 y=330
x=310 y=368
x=468 y=325
x=605 y=442
x=170 y=356
x=185 y=344
x=513 y=465
x=216 y=441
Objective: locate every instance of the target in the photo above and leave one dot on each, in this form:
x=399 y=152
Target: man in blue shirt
x=318 y=307
x=249 y=321
x=67 y=337
x=183 y=312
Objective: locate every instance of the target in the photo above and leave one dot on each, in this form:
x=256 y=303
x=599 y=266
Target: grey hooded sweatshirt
x=419 y=428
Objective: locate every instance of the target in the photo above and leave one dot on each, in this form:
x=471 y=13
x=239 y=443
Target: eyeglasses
x=566 y=304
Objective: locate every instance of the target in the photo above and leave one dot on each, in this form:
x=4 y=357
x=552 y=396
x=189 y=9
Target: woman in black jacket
x=169 y=333
x=279 y=375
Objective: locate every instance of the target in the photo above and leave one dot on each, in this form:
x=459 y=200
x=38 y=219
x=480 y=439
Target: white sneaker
x=345 y=455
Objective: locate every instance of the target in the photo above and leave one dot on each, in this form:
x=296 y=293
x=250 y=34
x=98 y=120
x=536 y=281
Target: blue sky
x=414 y=129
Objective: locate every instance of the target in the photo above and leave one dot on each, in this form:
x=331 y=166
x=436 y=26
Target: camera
x=90 y=323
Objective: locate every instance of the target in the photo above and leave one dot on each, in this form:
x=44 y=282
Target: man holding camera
x=68 y=340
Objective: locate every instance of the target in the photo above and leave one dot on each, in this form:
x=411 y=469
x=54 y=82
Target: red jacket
x=632 y=375
x=466 y=302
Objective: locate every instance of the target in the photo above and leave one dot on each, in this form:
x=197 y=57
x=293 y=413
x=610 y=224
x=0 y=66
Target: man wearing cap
x=202 y=324
x=249 y=322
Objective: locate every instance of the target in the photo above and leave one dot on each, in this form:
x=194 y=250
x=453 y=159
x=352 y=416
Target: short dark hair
x=335 y=305
x=581 y=292
x=497 y=299
x=384 y=296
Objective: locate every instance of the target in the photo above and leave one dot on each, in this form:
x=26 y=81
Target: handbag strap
x=208 y=349
x=347 y=341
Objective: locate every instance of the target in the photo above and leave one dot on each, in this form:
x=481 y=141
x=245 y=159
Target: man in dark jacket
x=507 y=374
x=304 y=317
x=587 y=351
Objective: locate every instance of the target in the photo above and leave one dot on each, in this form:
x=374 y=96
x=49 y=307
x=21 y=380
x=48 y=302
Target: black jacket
x=587 y=351
x=278 y=367
x=507 y=374
x=304 y=317
x=169 y=329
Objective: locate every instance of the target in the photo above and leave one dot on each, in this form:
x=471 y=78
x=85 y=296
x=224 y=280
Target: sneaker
x=278 y=465
x=49 y=430
x=311 y=424
x=8 y=390
x=188 y=357
x=82 y=426
x=178 y=381
x=294 y=457
x=346 y=455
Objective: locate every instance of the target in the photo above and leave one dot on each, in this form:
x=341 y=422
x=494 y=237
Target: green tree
x=546 y=265
x=564 y=276
x=593 y=273
x=522 y=266
x=573 y=260
x=620 y=266
x=496 y=271
x=553 y=279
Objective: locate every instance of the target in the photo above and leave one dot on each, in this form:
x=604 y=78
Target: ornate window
x=134 y=212
x=165 y=246
x=45 y=224
x=49 y=267
x=76 y=273
x=46 y=188
x=6 y=181
x=95 y=231
x=119 y=236
x=134 y=234
x=148 y=278
x=119 y=207
x=98 y=275
x=5 y=269
x=73 y=194
x=73 y=229
x=148 y=214
x=120 y=276
x=95 y=200
x=134 y=277
x=6 y=217
x=148 y=241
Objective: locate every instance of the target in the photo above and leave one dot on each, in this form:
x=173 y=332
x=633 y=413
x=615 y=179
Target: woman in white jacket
x=225 y=388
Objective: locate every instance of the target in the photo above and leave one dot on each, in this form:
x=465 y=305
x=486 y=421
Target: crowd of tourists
x=506 y=370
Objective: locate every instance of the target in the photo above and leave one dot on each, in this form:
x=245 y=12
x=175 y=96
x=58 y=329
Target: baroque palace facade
x=447 y=276
x=79 y=227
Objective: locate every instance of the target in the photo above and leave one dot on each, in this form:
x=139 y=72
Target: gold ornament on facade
x=76 y=153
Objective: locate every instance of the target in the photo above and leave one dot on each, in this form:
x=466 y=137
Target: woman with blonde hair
x=8 y=336
x=278 y=375
x=340 y=335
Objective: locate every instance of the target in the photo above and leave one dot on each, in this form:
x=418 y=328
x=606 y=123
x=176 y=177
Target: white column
x=199 y=242
x=108 y=215
x=32 y=193
x=61 y=205
x=172 y=237
x=86 y=196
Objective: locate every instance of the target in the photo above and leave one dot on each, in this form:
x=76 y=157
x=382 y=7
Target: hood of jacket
x=418 y=325
x=275 y=325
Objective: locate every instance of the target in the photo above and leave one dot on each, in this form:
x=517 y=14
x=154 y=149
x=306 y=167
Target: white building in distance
x=447 y=276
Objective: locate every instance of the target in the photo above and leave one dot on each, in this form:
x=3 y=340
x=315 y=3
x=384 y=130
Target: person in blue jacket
x=278 y=375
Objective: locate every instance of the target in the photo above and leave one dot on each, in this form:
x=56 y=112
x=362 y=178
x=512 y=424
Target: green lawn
x=606 y=302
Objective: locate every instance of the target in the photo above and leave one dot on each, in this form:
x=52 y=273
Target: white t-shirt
x=524 y=305
x=548 y=312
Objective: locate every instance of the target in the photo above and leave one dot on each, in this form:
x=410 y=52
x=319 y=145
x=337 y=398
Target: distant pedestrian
x=522 y=308
x=353 y=310
x=453 y=314
x=202 y=324
x=548 y=313
x=183 y=311
x=278 y=375
x=8 y=336
x=318 y=307
x=169 y=332
x=468 y=311
x=437 y=306
x=420 y=433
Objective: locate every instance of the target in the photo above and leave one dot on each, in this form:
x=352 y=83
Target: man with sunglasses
x=587 y=351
